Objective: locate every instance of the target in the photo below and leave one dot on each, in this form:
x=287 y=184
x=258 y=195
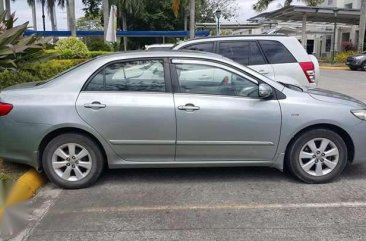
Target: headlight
x=360 y=114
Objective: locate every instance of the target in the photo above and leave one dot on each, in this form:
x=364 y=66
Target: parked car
x=276 y=56
x=357 y=62
x=161 y=109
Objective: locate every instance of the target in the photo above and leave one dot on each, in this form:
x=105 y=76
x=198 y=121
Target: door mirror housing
x=265 y=91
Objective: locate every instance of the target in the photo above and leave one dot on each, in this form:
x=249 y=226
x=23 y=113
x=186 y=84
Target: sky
x=24 y=12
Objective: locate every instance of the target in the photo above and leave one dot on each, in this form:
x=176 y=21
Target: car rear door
x=221 y=118
x=131 y=105
x=247 y=53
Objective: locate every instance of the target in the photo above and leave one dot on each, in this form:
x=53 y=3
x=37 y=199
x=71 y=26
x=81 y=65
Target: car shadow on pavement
x=219 y=174
x=186 y=175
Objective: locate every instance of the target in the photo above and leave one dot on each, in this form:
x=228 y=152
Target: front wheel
x=317 y=156
x=363 y=67
x=72 y=161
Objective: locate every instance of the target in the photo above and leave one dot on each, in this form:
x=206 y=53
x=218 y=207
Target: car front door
x=221 y=118
x=131 y=105
x=247 y=53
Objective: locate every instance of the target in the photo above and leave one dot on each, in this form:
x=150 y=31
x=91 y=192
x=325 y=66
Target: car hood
x=334 y=97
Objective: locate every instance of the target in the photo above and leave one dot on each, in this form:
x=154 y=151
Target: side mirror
x=265 y=91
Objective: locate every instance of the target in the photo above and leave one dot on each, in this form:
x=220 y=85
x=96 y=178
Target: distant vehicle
x=278 y=57
x=356 y=62
x=158 y=46
x=176 y=109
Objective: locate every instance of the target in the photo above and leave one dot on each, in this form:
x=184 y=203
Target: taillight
x=309 y=70
x=5 y=108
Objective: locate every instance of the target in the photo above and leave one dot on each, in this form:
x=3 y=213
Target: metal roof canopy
x=313 y=14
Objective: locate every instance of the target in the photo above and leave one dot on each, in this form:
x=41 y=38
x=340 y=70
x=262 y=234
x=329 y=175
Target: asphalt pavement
x=211 y=203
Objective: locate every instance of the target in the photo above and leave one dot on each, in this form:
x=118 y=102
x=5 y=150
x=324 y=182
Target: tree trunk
x=71 y=17
x=124 y=28
x=105 y=6
x=52 y=13
x=7 y=8
x=2 y=7
x=34 y=15
x=192 y=21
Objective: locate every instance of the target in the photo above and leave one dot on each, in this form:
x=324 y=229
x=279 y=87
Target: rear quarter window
x=276 y=52
x=205 y=47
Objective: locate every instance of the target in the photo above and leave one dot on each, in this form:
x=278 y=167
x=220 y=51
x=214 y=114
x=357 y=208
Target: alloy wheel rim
x=319 y=157
x=71 y=162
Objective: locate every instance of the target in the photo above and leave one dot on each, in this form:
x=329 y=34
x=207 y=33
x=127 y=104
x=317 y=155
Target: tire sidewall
x=89 y=145
x=294 y=162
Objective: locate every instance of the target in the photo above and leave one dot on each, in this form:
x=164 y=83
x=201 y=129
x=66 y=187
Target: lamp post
x=218 y=16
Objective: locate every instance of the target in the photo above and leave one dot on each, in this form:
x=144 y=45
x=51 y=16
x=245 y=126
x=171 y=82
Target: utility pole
x=192 y=21
x=362 y=26
x=8 y=9
x=105 y=6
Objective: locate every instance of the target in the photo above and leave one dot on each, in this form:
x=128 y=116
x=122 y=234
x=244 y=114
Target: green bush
x=93 y=54
x=96 y=44
x=36 y=72
x=342 y=57
x=72 y=48
x=58 y=55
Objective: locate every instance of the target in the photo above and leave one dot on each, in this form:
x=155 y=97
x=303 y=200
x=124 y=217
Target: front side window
x=206 y=79
x=205 y=47
x=140 y=75
x=276 y=53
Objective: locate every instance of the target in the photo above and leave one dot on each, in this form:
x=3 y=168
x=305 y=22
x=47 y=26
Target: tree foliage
x=262 y=5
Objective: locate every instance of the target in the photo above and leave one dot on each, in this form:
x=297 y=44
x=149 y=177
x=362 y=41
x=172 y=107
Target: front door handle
x=188 y=107
x=95 y=105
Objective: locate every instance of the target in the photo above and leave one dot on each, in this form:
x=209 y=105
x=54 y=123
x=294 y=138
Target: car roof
x=163 y=54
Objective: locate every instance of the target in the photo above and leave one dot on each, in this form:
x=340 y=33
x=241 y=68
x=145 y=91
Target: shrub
x=95 y=44
x=342 y=57
x=36 y=72
x=93 y=54
x=72 y=48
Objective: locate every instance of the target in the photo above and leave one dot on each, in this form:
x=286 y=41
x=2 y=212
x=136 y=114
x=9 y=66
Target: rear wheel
x=72 y=161
x=317 y=156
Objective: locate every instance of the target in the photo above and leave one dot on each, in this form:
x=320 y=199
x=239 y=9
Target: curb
x=24 y=188
x=334 y=67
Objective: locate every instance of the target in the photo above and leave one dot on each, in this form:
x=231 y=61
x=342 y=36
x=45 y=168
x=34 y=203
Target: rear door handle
x=263 y=72
x=95 y=105
x=188 y=107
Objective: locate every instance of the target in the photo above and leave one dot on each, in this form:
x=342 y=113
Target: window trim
x=167 y=76
x=175 y=79
x=247 y=41
x=214 y=47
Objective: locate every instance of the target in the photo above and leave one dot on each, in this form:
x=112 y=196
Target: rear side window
x=205 y=47
x=130 y=76
x=237 y=51
x=276 y=53
x=242 y=52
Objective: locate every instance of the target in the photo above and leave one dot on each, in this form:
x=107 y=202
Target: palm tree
x=177 y=4
x=262 y=5
x=131 y=7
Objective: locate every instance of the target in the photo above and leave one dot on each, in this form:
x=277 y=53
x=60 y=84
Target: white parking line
x=217 y=207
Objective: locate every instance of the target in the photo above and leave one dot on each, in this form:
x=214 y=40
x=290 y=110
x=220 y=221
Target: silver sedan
x=176 y=109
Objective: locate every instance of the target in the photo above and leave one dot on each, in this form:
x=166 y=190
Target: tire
x=72 y=171
x=307 y=166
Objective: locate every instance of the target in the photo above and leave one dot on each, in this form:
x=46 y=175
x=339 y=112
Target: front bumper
x=358 y=136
